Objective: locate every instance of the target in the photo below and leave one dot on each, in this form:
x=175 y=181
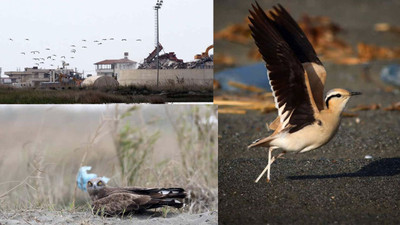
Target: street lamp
x=156 y=8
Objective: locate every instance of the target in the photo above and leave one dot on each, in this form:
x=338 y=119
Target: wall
x=148 y=76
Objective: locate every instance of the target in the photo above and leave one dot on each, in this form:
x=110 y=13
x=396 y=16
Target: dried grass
x=48 y=179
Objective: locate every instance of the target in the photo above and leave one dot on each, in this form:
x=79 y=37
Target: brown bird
x=113 y=201
x=297 y=78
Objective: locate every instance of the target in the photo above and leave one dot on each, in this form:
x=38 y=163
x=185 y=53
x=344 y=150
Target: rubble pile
x=171 y=61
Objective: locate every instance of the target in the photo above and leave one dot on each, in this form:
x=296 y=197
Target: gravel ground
x=63 y=217
x=334 y=184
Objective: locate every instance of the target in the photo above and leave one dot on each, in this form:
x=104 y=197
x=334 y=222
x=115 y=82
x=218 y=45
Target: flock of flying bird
x=41 y=57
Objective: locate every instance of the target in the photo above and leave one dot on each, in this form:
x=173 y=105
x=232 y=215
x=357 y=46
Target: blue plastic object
x=83 y=177
x=254 y=75
x=391 y=74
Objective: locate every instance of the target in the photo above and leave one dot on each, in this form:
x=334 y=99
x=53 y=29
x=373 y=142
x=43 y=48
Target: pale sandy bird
x=305 y=120
x=118 y=201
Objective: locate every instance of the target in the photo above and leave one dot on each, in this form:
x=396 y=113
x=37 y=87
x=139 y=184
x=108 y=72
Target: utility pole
x=156 y=8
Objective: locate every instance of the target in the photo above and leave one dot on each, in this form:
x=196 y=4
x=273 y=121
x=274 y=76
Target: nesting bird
x=297 y=77
x=113 y=201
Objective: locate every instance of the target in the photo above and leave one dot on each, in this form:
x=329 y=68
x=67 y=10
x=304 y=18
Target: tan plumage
x=113 y=201
x=297 y=77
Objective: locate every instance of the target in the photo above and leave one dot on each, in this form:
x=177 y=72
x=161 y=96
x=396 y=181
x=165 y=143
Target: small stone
x=358 y=120
x=368 y=157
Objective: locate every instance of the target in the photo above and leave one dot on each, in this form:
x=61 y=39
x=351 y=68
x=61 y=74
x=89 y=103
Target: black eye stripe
x=329 y=98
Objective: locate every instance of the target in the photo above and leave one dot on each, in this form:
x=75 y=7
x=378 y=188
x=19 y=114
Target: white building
x=111 y=67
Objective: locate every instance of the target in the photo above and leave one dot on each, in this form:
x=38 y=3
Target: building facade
x=112 y=67
x=34 y=77
x=29 y=77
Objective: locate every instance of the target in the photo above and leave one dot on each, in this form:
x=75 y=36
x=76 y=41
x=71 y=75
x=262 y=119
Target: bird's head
x=336 y=99
x=95 y=184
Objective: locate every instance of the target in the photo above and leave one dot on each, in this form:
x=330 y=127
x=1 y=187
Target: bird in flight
x=297 y=77
x=113 y=201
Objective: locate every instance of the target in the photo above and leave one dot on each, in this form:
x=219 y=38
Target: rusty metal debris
x=372 y=106
x=393 y=107
x=385 y=27
x=240 y=105
x=245 y=87
x=323 y=34
x=238 y=33
x=171 y=61
x=225 y=60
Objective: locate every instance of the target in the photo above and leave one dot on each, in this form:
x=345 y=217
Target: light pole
x=157 y=7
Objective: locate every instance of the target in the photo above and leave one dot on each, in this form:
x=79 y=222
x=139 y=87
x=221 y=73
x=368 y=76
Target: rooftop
x=115 y=61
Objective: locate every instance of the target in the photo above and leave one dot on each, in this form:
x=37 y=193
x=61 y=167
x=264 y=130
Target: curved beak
x=355 y=93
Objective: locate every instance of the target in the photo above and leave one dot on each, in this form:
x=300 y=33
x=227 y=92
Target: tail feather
x=260 y=143
x=162 y=193
x=166 y=202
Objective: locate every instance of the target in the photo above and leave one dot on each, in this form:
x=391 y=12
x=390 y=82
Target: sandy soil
x=52 y=217
x=335 y=184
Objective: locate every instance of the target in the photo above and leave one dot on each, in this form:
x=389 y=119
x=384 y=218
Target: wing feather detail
x=285 y=72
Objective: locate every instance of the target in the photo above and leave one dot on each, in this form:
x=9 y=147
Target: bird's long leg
x=267 y=168
x=270 y=161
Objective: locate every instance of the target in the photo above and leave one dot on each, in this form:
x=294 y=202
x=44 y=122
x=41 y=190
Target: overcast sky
x=186 y=28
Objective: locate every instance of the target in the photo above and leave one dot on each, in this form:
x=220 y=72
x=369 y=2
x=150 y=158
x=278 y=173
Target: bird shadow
x=378 y=168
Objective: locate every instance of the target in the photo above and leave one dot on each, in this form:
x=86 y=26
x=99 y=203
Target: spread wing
x=286 y=74
x=294 y=36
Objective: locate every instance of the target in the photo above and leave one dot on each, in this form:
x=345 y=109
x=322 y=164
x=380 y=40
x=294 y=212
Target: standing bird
x=113 y=201
x=297 y=77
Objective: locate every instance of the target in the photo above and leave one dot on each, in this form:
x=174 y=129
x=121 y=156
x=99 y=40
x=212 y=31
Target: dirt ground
x=335 y=184
x=52 y=217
